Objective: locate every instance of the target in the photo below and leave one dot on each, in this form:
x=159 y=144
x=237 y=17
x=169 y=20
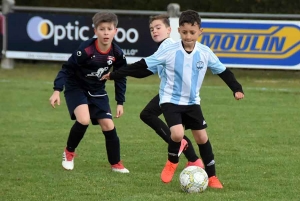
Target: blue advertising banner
x=56 y=36
x=2 y=18
x=252 y=43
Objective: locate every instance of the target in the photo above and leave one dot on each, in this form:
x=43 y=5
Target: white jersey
x=158 y=69
x=182 y=74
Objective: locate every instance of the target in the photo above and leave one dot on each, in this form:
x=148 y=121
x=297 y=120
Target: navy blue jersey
x=87 y=65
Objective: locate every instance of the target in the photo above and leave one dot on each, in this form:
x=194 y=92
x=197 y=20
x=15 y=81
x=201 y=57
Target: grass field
x=255 y=141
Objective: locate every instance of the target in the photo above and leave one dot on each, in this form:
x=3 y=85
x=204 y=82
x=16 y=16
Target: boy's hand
x=55 y=99
x=120 y=111
x=238 y=95
x=105 y=77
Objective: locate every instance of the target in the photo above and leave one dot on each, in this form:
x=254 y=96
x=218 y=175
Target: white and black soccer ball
x=193 y=179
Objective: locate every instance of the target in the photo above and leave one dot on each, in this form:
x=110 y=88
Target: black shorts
x=98 y=104
x=189 y=115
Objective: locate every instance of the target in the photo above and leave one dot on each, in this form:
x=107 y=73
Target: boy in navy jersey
x=85 y=93
x=184 y=64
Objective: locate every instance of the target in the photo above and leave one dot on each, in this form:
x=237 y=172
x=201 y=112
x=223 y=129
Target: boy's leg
x=196 y=122
x=79 y=128
x=76 y=134
x=149 y=116
x=207 y=155
x=168 y=172
x=78 y=109
x=112 y=143
x=172 y=114
x=101 y=115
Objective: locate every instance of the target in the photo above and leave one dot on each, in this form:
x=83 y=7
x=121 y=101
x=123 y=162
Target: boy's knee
x=146 y=115
x=83 y=121
x=106 y=124
x=143 y=115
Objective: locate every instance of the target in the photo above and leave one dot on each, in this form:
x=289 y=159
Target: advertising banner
x=56 y=36
x=1 y=33
x=251 y=43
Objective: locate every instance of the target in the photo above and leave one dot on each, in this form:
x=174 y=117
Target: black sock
x=156 y=124
x=173 y=150
x=76 y=134
x=208 y=158
x=112 y=143
x=190 y=151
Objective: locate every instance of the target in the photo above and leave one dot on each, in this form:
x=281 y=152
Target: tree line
x=232 y=6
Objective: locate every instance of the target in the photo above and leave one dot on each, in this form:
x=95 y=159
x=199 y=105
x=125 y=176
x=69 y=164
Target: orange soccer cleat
x=214 y=182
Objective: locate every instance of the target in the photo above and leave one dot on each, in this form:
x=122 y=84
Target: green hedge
x=236 y=6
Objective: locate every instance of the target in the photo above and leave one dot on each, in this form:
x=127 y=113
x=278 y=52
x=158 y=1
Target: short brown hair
x=164 y=18
x=105 y=17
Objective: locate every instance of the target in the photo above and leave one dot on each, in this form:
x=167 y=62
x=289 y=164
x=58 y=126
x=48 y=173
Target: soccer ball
x=193 y=179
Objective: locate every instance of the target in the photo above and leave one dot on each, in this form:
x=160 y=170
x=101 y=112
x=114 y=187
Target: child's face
x=159 y=31
x=105 y=32
x=189 y=34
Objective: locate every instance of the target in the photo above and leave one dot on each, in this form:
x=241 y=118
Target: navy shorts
x=189 y=115
x=98 y=104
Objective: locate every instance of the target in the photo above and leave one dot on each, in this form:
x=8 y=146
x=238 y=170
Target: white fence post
x=6 y=8
x=173 y=9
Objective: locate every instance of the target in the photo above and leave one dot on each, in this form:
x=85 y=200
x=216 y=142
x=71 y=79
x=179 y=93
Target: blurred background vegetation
x=234 y=6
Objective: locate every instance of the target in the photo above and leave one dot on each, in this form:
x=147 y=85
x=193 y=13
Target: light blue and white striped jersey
x=158 y=69
x=182 y=73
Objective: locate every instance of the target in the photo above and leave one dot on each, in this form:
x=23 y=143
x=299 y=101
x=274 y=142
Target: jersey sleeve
x=120 y=84
x=78 y=58
x=215 y=65
x=156 y=60
x=137 y=70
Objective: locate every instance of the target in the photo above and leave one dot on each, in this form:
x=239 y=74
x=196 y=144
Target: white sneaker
x=68 y=160
x=119 y=167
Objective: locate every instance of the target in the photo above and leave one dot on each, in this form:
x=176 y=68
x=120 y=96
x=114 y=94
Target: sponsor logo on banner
x=39 y=29
x=131 y=36
x=241 y=42
x=56 y=36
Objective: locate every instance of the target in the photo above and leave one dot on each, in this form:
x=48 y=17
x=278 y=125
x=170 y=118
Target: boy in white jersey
x=184 y=67
x=160 y=30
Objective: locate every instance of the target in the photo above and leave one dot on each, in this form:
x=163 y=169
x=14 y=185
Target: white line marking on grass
x=257 y=88
x=151 y=85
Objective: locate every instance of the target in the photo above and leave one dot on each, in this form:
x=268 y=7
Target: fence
x=265 y=43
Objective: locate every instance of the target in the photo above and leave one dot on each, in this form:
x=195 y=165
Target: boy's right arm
x=143 y=68
x=60 y=79
x=59 y=84
x=137 y=70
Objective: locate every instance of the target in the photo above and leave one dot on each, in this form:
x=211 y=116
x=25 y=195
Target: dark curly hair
x=191 y=17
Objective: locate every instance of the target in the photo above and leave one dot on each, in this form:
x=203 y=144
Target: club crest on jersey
x=200 y=65
x=79 y=53
x=110 y=60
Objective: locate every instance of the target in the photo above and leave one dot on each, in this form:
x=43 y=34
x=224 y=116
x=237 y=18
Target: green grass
x=255 y=141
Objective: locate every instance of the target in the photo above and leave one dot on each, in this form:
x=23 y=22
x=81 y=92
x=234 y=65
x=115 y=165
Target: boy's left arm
x=228 y=77
x=120 y=85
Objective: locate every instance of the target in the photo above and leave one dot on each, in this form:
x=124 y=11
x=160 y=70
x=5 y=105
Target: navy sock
x=208 y=158
x=76 y=134
x=112 y=143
